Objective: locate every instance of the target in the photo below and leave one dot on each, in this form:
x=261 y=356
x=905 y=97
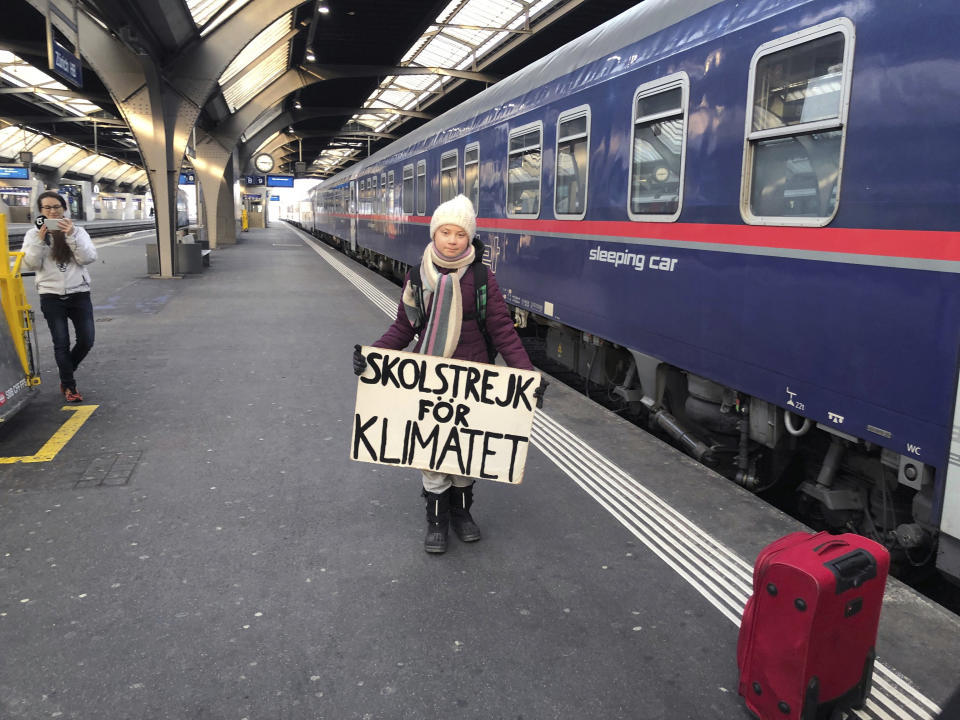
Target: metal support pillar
x=226 y=209
x=212 y=165
x=161 y=120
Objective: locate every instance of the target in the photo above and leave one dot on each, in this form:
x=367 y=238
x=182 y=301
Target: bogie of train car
x=734 y=221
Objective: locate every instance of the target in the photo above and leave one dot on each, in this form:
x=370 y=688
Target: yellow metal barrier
x=16 y=310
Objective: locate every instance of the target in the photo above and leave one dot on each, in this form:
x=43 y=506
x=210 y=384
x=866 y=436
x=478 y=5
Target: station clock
x=264 y=162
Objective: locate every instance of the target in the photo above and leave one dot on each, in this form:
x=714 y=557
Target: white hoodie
x=55 y=278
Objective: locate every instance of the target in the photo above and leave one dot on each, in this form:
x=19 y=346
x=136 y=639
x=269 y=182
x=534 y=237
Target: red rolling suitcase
x=806 y=644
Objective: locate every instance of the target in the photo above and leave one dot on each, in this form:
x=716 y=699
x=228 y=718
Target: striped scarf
x=441 y=294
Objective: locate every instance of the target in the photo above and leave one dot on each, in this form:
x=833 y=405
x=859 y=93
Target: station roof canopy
x=377 y=69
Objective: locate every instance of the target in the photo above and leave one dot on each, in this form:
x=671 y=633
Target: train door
x=352 y=210
x=73 y=194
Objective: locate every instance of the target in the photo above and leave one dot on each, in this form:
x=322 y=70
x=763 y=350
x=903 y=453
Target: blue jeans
x=77 y=308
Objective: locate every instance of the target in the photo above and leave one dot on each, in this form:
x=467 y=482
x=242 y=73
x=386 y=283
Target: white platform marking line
x=903 y=684
x=695 y=547
x=880 y=684
x=871 y=711
x=381 y=300
x=374 y=294
x=643 y=523
x=740 y=572
x=144 y=236
x=654 y=544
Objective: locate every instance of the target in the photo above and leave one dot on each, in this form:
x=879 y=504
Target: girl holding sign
x=439 y=302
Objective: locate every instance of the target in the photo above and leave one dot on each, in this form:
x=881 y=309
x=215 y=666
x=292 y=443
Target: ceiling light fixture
x=323 y=9
x=297 y=105
x=310 y=56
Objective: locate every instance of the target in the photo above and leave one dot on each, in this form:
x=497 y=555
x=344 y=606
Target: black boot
x=438 y=520
x=461 y=498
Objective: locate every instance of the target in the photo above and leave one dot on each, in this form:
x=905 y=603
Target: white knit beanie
x=458 y=211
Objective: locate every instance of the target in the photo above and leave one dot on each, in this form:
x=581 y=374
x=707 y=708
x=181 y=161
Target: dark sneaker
x=72 y=395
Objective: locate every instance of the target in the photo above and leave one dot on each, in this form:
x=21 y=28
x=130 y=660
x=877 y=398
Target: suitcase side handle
x=853 y=569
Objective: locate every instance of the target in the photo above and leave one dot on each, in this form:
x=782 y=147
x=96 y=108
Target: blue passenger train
x=742 y=220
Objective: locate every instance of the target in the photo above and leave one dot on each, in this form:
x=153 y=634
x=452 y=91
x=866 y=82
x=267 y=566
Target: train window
x=389 y=196
x=659 y=141
x=383 y=193
x=448 y=176
x=523 y=171
x=798 y=97
x=471 y=174
x=406 y=194
x=422 y=187
x=573 y=150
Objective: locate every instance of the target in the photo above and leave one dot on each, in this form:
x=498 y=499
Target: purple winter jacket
x=471 y=345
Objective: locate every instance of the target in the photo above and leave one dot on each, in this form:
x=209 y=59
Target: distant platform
x=95 y=228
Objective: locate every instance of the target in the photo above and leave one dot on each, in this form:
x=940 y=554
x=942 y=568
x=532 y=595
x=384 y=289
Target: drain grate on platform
x=109 y=470
x=106 y=470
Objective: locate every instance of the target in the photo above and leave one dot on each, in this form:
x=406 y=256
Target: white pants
x=436 y=482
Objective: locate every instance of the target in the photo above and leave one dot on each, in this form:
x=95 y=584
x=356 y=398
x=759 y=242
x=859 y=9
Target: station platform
x=197 y=544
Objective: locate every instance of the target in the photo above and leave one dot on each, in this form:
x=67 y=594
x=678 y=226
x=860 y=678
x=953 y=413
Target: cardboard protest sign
x=444 y=415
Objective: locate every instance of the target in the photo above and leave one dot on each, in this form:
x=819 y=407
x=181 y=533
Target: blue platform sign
x=254 y=180
x=14 y=173
x=275 y=198
x=279 y=180
x=188 y=178
x=67 y=65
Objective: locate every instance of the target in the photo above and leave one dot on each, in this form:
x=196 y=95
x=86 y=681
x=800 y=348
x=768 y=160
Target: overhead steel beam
x=228 y=132
x=50 y=120
x=199 y=68
x=275 y=144
x=34 y=89
x=484 y=28
x=254 y=145
x=336 y=72
x=338 y=134
x=252 y=67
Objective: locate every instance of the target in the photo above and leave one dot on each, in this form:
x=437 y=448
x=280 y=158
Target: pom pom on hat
x=458 y=211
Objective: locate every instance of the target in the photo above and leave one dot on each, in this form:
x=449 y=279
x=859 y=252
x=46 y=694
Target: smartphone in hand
x=52 y=223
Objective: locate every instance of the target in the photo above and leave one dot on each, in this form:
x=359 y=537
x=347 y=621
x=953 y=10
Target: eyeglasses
x=51 y=207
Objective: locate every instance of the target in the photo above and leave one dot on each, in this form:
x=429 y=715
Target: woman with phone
x=58 y=251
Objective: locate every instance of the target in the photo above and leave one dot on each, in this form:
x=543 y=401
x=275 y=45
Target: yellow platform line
x=60 y=438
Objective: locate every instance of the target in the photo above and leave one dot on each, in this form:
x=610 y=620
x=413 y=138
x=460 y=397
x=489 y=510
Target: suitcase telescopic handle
x=853 y=569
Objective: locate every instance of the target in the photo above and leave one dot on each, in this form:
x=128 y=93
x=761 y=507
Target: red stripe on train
x=932 y=244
